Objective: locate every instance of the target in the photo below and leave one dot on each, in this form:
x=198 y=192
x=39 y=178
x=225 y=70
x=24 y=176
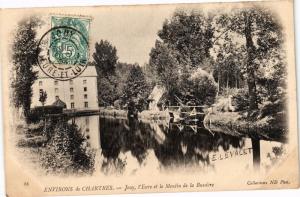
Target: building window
x=55 y=82
x=85 y=96
x=85 y=89
x=87 y=137
x=87 y=120
x=56 y=97
x=84 y=81
x=87 y=130
x=86 y=104
x=72 y=105
x=72 y=97
x=71 y=90
x=56 y=90
x=40 y=83
x=71 y=82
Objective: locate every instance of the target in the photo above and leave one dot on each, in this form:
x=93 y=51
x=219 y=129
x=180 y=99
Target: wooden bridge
x=186 y=112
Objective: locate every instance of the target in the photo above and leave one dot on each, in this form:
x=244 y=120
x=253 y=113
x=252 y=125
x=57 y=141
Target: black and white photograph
x=149 y=98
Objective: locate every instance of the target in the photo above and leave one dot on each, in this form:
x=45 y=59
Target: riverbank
x=233 y=123
x=55 y=147
x=116 y=113
x=144 y=115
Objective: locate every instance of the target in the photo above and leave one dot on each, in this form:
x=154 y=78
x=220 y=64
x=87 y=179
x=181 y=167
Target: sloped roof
x=59 y=103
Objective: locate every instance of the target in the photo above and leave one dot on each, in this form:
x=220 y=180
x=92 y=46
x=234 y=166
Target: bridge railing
x=193 y=109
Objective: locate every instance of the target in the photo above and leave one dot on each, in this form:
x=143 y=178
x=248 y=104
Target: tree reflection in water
x=174 y=145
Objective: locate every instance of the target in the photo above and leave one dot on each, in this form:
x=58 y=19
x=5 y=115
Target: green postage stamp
x=69 y=42
x=165 y=98
x=67 y=53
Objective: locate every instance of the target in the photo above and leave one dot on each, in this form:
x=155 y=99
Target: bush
x=37 y=113
x=66 y=151
x=33 y=142
x=272 y=108
x=198 y=87
x=240 y=100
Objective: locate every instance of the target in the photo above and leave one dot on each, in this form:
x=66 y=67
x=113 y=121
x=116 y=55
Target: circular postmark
x=63 y=53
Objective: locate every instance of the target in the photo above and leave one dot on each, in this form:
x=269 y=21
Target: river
x=129 y=146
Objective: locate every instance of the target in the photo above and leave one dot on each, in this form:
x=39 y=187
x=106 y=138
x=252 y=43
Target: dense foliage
x=105 y=58
x=25 y=50
x=199 y=89
x=190 y=35
x=198 y=56
x=136 y=89
x=183 y=47
x=240 y=99
x=66 y=151
x=118 y=83
x=242 y=50
x=259 y=55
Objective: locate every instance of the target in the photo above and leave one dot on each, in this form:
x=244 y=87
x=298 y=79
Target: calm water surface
x=130 y=146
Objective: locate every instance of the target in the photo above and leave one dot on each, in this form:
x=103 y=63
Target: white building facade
x=78 y=93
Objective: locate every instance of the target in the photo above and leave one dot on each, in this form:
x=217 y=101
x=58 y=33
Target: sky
x=132 y=30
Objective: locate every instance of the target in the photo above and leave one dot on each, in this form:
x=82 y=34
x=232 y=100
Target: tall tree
x=111 y=90
x=136 y=88
x=261 y=32
x=105 y=58
x=190 y=34
x=122 y=72
x=184 y=44
x=165 y=66
x=106 y=92
x=25 y=49
x=228 y=65
x=43 y=97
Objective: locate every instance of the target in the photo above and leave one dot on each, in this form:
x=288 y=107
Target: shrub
x=33 y=142
x=65 y=152
x=240 y=100
x=37 y=113
x=272 y=108
x=199 y=87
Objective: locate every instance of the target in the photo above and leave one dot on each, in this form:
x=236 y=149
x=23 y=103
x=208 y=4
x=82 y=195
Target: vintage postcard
x=149 y=98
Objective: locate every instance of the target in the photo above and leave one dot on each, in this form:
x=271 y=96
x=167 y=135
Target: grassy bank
x=55 y=147
x=233 y=123
x=104 y=112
